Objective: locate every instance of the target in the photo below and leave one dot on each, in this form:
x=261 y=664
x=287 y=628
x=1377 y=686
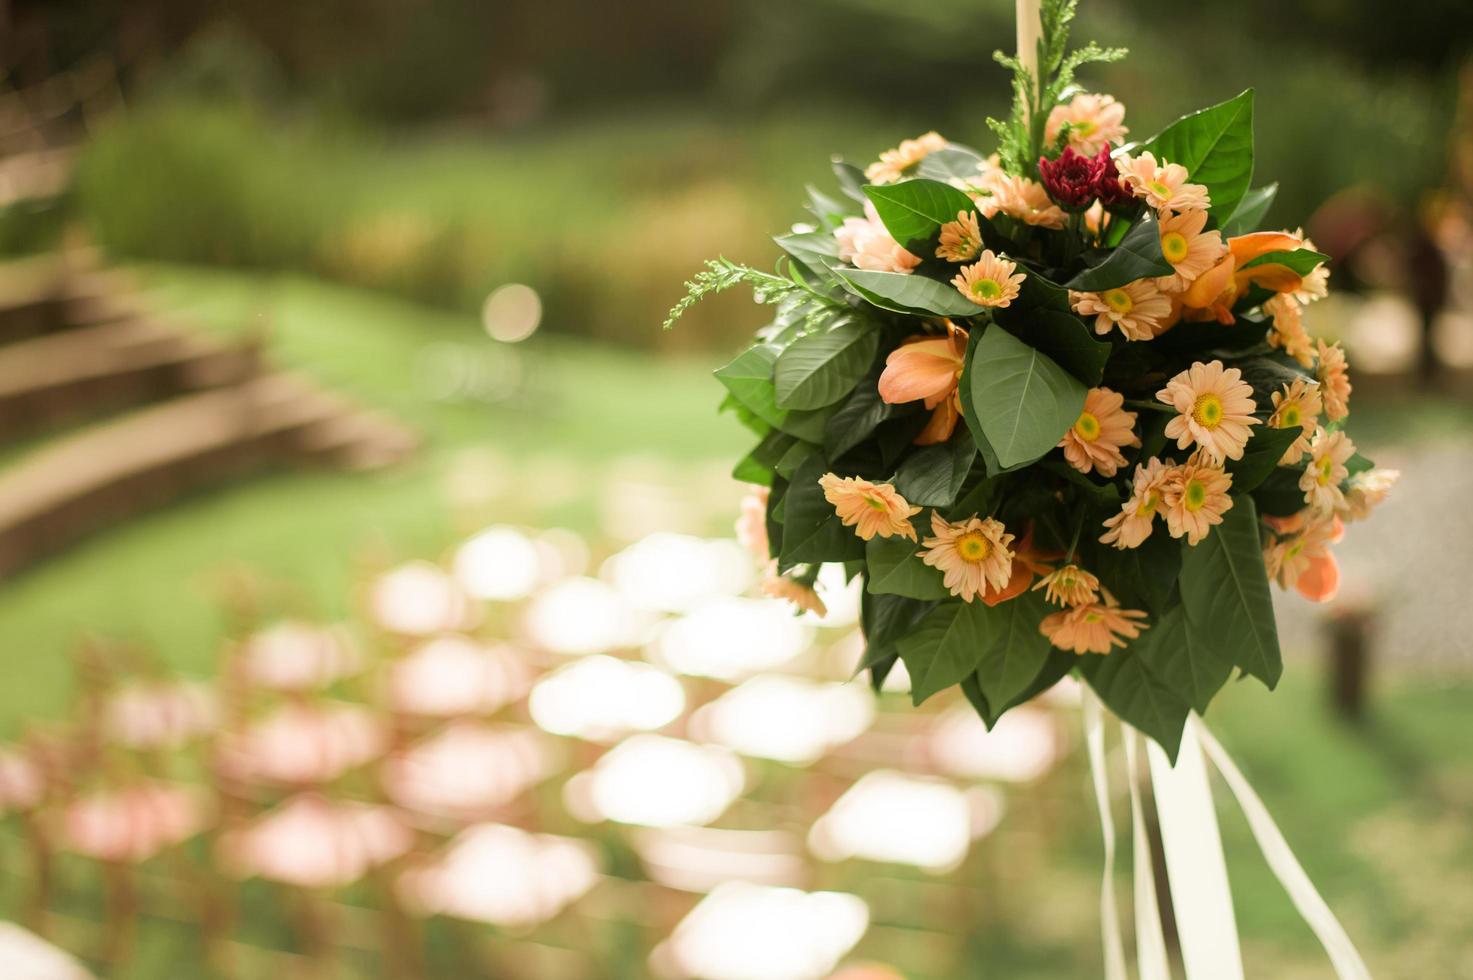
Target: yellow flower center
x=1293 y=550
x=986 y=289
x=1289 y=417
x=1088 y=427
x=1326 y=468
x=1159 y=189
x=1195 y=495
x=1174 y=246
x=875 y=503
x=1148 y=505
x=1085 y=127
x=1208 y=411
x=973 y=546
x=1092 y=617
x=1118 y=300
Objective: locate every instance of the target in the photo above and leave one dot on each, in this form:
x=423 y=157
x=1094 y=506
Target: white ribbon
x=1094 y=737
x=1195 y=863
x=1150 y=944
x=1347 y=962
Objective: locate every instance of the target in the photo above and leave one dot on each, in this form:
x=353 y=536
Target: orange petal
x=1246 y=248
x=1207 y=287
x=1321 y=580
x=1271 y=275
x=943 y=423
x=920 y=369
x=1017 y=585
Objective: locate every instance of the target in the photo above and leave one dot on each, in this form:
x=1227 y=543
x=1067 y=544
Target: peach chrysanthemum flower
x=1215 y=407
x=1328 y=453
x=751 y=523
x=1133 y=524
x=1334 y=375
x=1297 y=405
x=1069 y=585
x=1194 y=497
x=1289 y=558
x=1164 y=186
x=929 y=368
x=972 y=555
x=1288 y=333
x=800 y=595
x=893 y=164
x=1316 y=283
x=961 y=239
x=1095 y=122
x=1093 y=628
x=1366 y=490
x=990 y=281
x=1027 y=201
x=1093 y=442
x=865 y=244
x=870 y=508
x=1189 y=248
x=1139 y=309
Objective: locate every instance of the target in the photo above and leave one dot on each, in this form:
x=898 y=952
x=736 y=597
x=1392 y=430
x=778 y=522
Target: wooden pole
x=1030 y=29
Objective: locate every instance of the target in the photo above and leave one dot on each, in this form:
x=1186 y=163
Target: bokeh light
x=731 y=638
x=498 y=563
x=656 y=781
x=511 y=313
x=786 y=718
x=893 y=817
x=601 y=697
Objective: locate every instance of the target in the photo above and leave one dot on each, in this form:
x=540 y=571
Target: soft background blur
x=296 y=294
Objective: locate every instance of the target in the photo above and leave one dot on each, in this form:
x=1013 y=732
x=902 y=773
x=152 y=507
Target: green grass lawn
x=572 y=410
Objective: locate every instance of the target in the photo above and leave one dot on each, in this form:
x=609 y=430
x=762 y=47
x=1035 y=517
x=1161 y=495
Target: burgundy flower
x=1113 y=194
x=1072 y=180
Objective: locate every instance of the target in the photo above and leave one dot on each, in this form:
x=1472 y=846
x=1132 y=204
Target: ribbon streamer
x=1150 y=944
x=1094 y=737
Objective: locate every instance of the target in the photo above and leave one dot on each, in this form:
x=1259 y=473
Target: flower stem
x=1150 y=406
x=1078 y=529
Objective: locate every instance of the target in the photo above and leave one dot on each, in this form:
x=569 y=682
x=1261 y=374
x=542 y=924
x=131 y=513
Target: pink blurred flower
x=296 y=656
x=22 y=783
x=312 y=842
x=303 y=744
x=751 y=524
x=454 y=675
x=418 y=599
x=865 y=244
x=466 y=771
x=160 y=715
x=133 y=823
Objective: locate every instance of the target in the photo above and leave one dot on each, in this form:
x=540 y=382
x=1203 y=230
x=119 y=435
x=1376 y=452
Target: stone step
x=87 y=372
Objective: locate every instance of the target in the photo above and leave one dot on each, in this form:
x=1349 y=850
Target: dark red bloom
x=1072 y=180
x=1114 y=195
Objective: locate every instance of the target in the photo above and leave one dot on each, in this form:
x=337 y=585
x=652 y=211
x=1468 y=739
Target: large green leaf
x=749 y=379
x=1022 y=399
x=818 y=250
x=1143 y=577
x=822 y=367
x=1138 y=256
x=933 y=476
x=811 y=531
x=913 y=211
x=885 y=619
x=1016 y=650
x=1134 y=692
x=912 y=294
x=1251 y=211
x=1057 y=664
x=809 y=424
x=1216 y=147
x=895 y=569
x=1224 y=588
x=1279 y=494
x=944 y=648
x=1194 y=664
x=1065 y=338
x=1262 y=454
x=955 y=162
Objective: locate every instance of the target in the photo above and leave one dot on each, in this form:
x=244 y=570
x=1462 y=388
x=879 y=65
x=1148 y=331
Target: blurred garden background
x=430 y=243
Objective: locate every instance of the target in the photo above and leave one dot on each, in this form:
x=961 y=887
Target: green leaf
x=969 y=411
x=1016 y=650
x=1224 y=588
x=851 y=180
x=829 y=211
x=1279 y=494
x=1023 y=400
x=811 y=531
x=1358 y=464
x=1058 y=663
x=1138 y=256
x=933 y=475
x=822 y=367
x=750 y=470
x=818 y=250
x=885 y=619
x=809 y=424
x=1216 y=147
x=913 y=211
x=1192 y=662
x=953 y=162
x=1143 y=577
x=915 y=295
x=1251 y=211
x=1134 y=692
x=788 y=464
x=1261 y=456
x=749 y=379
x=944 y=648
x=745 y=415
x=895 y=569
x=856 y=419
x=1301 y=260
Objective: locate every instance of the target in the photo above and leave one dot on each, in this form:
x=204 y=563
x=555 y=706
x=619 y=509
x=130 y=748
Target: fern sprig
x=721 y=274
